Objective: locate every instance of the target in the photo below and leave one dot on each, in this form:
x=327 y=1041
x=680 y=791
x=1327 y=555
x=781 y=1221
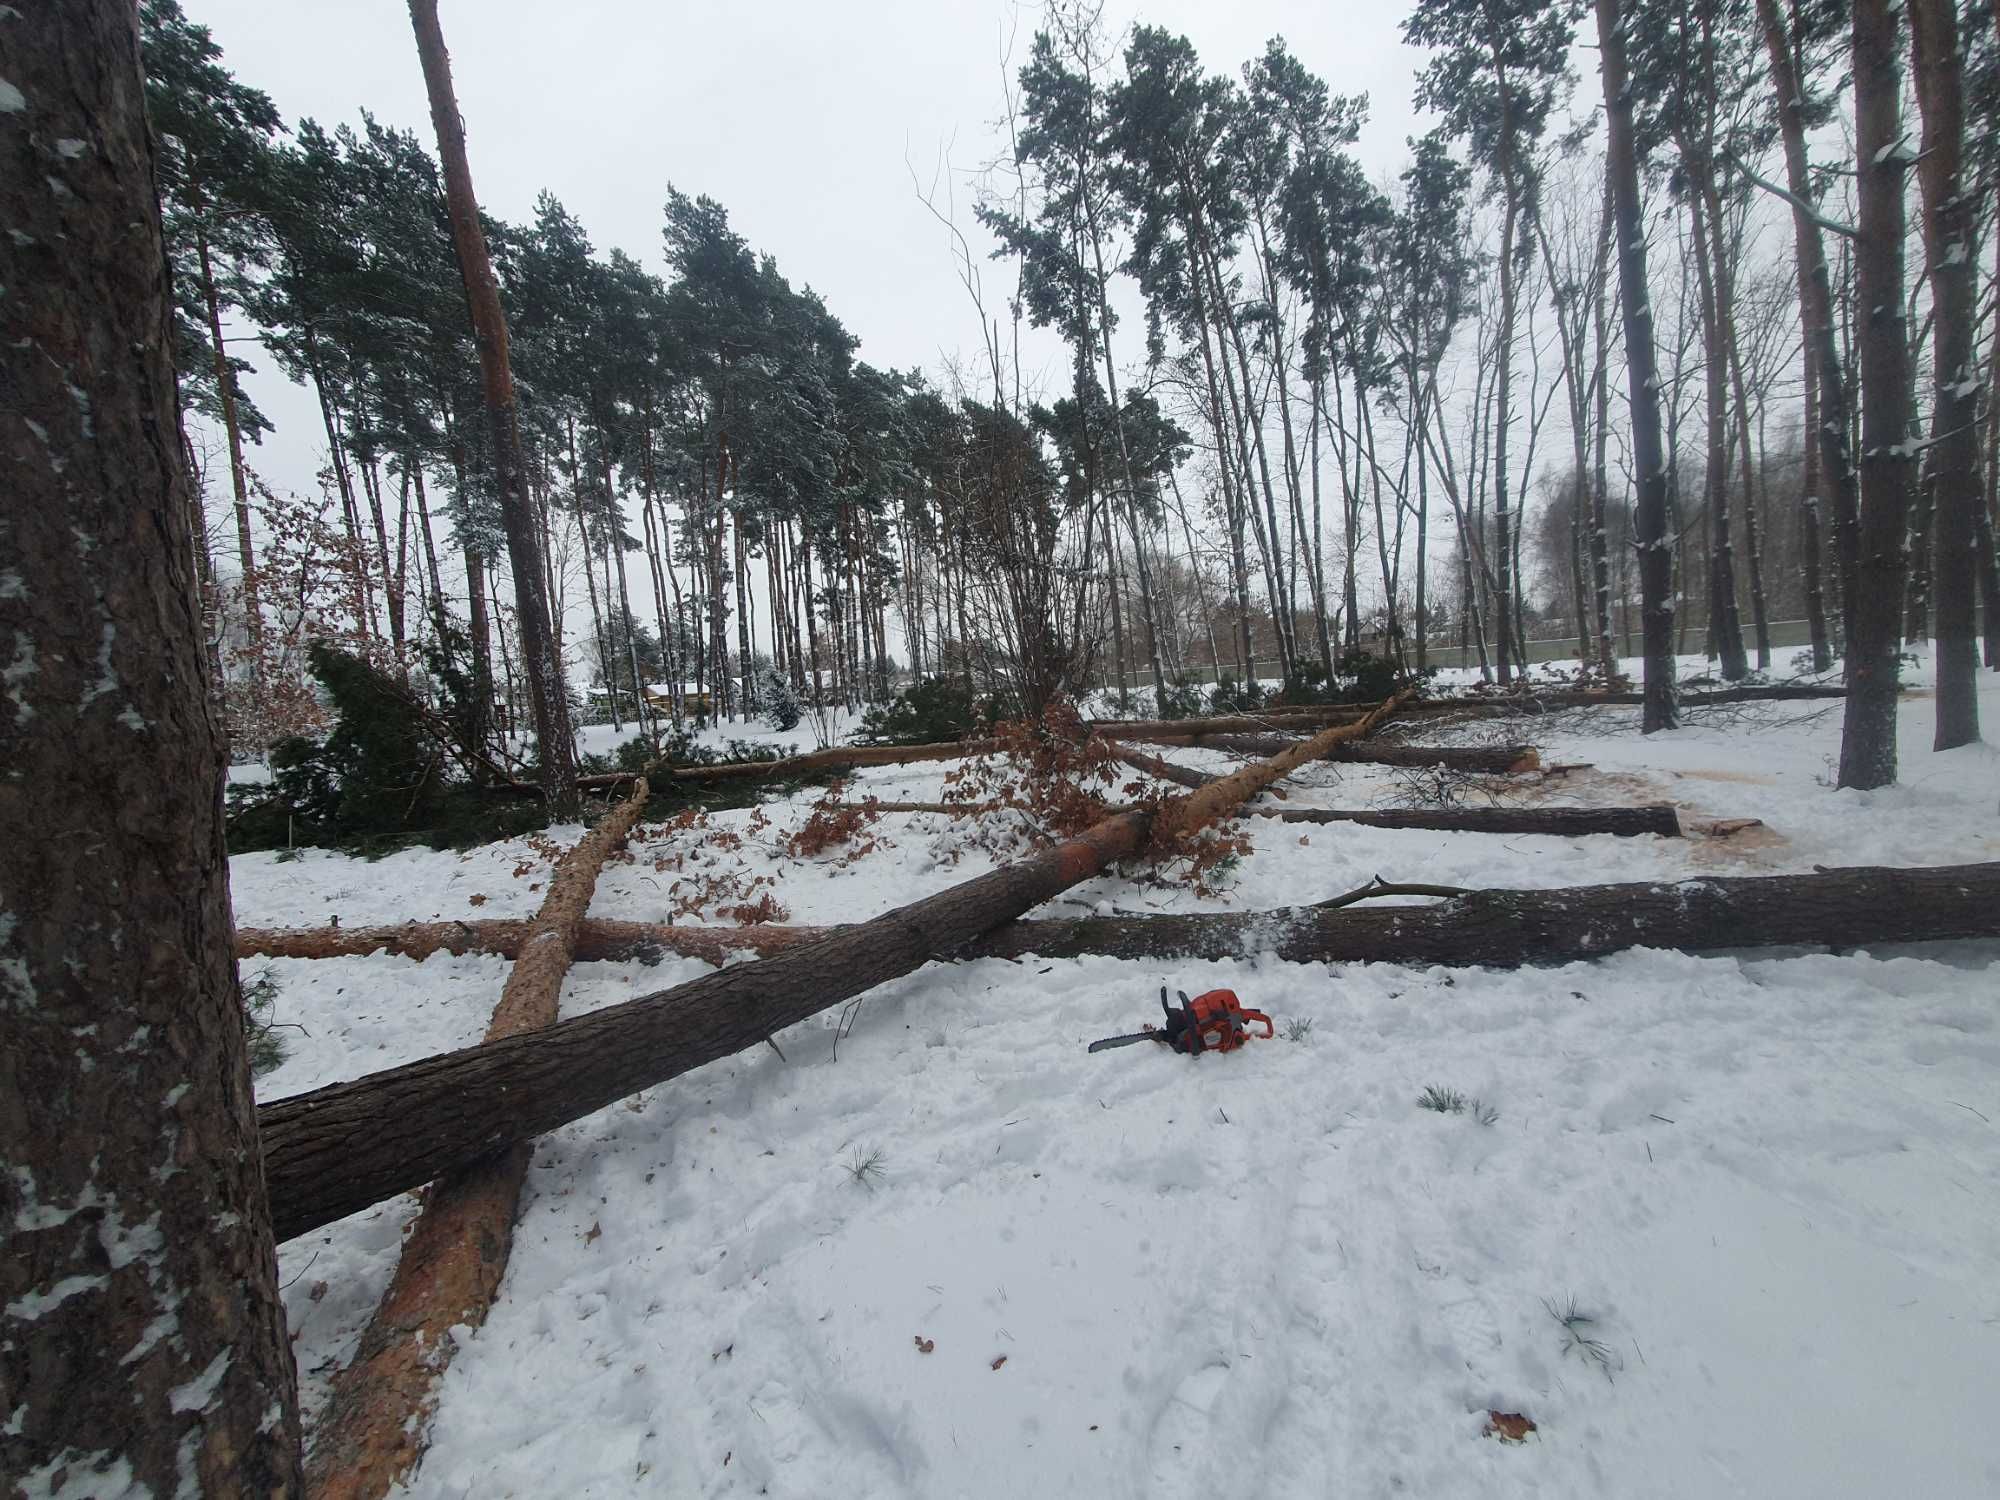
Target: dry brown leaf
x=593 y=1232
x=1508 y=1426
x=998 y=1361
x=924 y=1345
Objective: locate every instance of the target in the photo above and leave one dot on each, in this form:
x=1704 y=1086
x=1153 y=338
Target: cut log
x=1847 y=908
x=1557 y=822
x=339 y=1149
x=598 y=940
x=837 y=758
x=1284 y=718
x=377 y=1419
x=1488 y=759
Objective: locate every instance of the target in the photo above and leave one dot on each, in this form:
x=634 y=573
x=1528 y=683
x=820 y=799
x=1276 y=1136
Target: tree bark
x=377 y=1421
x=1816 y=306
x=1497 y=759
x=142 y=1339
x=1951 y=225
x=340 y=1149
x=1652 y=538
x=1888 y=451
x=540 y=645
x=1847 y=908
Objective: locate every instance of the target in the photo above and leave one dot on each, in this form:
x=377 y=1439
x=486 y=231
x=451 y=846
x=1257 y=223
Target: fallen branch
x=342 y=1148
x=1165 y=770
x=1380 y=887
x=377 y=1419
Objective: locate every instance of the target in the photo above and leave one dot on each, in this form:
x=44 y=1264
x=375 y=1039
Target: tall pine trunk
x=541 y=655
x=1951 y=225
x=1651 y=538
x=1888 y=461
x=1834 y=428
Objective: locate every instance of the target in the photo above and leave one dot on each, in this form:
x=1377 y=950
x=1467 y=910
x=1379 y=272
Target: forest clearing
x=1266 y=782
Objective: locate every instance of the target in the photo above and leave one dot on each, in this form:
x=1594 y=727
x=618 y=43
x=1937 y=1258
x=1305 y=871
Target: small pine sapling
x=868 y=1167
x=1578 y=1336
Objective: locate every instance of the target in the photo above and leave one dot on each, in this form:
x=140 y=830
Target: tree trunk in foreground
x=1888 y=450
x=1951 y=227
x=142 y=1339
x=1652 y=538
x=541 y=648
x=377 y=1421
x=340 y=1149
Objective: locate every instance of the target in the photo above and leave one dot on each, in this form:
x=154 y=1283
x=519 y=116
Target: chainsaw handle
x=1270 y=1031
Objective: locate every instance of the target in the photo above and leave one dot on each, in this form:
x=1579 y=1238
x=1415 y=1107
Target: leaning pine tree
x=541 y=657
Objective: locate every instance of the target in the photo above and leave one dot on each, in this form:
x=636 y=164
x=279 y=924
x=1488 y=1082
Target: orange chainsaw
x=1214 y=1022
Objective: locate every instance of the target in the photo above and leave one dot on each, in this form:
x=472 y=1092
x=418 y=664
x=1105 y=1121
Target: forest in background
x=1354 y=416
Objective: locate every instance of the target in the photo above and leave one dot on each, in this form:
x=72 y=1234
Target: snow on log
x=339 y=1149
x=377 y=1419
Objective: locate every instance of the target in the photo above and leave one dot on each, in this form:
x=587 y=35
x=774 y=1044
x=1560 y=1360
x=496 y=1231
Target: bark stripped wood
x=339 y=1149
x=377 y=1420
x=1496 y=759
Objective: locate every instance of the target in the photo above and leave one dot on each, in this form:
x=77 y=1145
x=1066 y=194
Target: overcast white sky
x=797 y=115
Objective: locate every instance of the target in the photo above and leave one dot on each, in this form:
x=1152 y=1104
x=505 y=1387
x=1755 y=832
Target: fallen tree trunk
x=598 y=940
x=1845 y=908
x=1285 y=718
x=377 y=1420
x=837 y=758
x=1502 y=928
x=1495 y=759
x=342 y=1148
x=1558 y=822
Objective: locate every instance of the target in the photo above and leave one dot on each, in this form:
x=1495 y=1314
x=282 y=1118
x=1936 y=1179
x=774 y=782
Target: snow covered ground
x=1770 y=1181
